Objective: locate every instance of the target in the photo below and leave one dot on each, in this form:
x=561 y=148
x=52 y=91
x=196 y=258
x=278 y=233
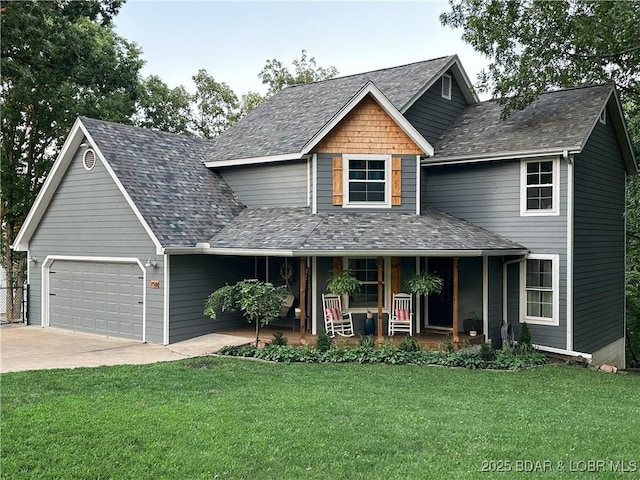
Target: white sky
x=233 y=40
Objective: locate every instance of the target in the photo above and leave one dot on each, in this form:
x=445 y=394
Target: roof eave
x=303 y=252
x=438 y=160
x=285 y=157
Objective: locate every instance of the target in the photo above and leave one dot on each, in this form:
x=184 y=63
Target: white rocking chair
x=336 y=322
x=401 y=316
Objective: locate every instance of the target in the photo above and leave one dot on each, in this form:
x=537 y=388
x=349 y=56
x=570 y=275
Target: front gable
x=368 y=129
x=72 y=154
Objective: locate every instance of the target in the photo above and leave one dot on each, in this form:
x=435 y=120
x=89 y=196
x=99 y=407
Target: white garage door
x=96 y=297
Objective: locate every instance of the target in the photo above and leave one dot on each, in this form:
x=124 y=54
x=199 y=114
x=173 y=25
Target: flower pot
x=369 y=326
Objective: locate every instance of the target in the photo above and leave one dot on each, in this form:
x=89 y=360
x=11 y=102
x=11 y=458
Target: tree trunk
x=257 y=332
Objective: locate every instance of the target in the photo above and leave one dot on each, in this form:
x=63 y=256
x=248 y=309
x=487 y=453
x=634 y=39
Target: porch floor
x=433 y=339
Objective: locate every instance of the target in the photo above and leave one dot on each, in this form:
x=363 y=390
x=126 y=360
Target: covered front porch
x=300 y=249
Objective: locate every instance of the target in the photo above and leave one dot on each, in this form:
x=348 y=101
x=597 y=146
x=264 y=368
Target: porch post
x=456 y=337
x=303 y=300
x=380 y=293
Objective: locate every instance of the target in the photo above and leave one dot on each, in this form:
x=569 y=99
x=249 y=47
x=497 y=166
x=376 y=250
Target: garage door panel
x=97 y=297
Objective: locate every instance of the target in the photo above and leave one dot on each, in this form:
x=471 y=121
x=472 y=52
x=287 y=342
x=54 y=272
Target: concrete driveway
x=31 y=347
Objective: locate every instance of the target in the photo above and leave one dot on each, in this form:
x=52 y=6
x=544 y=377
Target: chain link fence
x=13 y=304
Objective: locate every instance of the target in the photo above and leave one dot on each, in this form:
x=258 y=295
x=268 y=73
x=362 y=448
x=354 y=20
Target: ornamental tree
x=260 y=301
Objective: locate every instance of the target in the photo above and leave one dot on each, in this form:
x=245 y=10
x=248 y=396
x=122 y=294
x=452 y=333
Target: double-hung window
x=539 y=187
x=540 y=289
x=366 y=270
x=367 y=180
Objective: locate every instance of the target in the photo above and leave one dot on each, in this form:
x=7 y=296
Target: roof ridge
x=181 y=136
x=368 y=72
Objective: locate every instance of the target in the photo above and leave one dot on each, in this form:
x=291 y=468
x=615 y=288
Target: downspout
x=569 y=160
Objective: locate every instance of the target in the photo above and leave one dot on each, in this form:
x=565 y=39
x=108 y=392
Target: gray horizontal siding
x=88 y=216
x=192 y=279
x=432 y=114
x=324 y=185
x=488 y=194
x=599 y=256
x=495 y=301
x=271 y=184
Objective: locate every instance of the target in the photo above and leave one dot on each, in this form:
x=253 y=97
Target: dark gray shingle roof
x=182 y=201
x=285 y=123
x=299 y=230
x=559 y=120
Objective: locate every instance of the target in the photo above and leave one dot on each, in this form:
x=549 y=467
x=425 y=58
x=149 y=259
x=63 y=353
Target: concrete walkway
x=35 y=348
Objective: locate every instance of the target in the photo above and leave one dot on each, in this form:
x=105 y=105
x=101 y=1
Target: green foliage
x=216 y=106
x=323 y=341
x=525 y=335
x=537 y=45
x=507 y=359
x=343 y=282
x=447 y=344
x=277 y=76
x=260 y=301
x=163 y=108
x=409 y=344
x=58 y=60
x=366 y=342
x=279 y=338
x=487 y=353
x=424 y=283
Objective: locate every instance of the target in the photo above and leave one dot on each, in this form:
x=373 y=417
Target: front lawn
x=225 y=418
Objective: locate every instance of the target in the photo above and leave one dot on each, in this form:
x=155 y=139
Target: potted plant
x=471 y=324
x=424 y=283
x=343 y=282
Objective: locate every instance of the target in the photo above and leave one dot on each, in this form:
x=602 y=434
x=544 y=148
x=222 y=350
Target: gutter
x=434 y=161
x=204 y=249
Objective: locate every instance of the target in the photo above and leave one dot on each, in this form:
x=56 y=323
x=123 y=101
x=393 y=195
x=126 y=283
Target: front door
x=441 y=306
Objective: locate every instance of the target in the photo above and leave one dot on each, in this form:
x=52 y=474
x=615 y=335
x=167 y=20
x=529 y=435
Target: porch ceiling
x=298 y=231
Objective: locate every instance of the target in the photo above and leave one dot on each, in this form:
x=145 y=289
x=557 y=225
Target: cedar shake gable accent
x=368 y=129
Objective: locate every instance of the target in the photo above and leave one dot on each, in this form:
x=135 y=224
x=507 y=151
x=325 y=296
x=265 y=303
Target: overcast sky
x=233 y=40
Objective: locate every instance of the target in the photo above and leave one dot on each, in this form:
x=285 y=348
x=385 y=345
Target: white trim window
x=539 y=187
x=539 y=293
x=367 y=181
x=446 y=86
x=366 y=270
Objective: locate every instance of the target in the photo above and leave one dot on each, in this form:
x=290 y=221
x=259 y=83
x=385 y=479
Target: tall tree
x=535 y=45
x=216 y=106
x=305 y=70
x=58 y=59
x=163 y=108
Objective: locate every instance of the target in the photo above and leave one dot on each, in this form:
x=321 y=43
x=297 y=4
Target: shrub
x=279 y=338
x=323 y=342
x=409 y=344
x=367 y=342
x=487 y=353
x=525 y=335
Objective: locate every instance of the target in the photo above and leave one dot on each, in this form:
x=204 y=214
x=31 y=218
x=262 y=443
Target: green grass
x=236 y=419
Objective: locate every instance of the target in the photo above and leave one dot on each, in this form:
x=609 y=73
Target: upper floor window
x=446 y=86
x=540 y=284
x=367 y=180
x=539 y=187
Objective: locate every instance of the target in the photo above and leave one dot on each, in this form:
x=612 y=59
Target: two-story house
x=387 y=173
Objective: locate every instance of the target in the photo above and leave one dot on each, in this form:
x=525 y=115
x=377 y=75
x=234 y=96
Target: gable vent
x=89 y=159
